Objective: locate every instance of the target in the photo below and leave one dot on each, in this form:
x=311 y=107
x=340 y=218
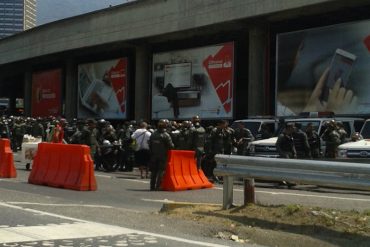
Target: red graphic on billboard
x=46 y=93
x=118 y=78
x=220 y=70
x=367 y=42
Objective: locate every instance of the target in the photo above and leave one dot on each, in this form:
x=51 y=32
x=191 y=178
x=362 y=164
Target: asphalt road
x=123 y=212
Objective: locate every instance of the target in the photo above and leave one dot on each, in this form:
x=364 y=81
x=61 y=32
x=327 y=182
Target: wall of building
x=139 y=29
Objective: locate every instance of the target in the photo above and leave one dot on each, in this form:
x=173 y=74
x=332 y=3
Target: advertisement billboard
x=102 y=89
x=324 y=69
x=192 y=82
x=46 y=93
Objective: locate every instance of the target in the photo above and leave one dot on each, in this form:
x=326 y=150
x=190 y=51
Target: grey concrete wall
x=144 y=18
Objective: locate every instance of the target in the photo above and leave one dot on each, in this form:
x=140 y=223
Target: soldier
x=174 y=133
x=208 y=161
x=198 y=140
x=285 y=143
x=243 y=137
x=264 y=132
x=314 y=141
x=342 y=132
x=332 y=139
x=301 y=144
x=38 y=129
x=159 y=144
x=19 y=131
x=90 y=136
x=222 y=138
x=185 y=137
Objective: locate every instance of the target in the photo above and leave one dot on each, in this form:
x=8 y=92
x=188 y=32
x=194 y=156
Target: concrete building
x=146 y=30
x=16 y=16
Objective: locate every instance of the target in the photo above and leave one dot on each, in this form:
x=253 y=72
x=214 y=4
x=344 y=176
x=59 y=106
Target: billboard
x=46 y=93
x=192 y=82
x=102 y=89
x=324 y=69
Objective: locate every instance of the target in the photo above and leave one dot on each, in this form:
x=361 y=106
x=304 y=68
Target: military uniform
x=301 y=144
x=198 y=141
x=159 y=143
x=332 y=140
x=314 y=142
x=243 y=137
x=285 y=146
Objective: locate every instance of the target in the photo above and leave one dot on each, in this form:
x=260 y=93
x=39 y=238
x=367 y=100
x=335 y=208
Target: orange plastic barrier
x=7 y=168
x=63 y=166
x=182 y=172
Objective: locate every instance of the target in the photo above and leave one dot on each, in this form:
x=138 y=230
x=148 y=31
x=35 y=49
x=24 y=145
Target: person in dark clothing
x=314 y=141
x=264 y=132
x=184 y=141
x=222 y=139
x=198 y=140
x=171 y=93
x=285 y=143
x=159 y=144
x=301 y=144
x=332 y=138
x=243 y=137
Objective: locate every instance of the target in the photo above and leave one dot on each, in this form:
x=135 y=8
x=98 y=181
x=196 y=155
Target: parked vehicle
x=267 y=147
x=358 y=149
x=254 y=124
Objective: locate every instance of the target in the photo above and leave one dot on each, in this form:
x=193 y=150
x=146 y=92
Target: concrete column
x=258 y=45
x=142 y=83
x=71 y=94
x=28 y=91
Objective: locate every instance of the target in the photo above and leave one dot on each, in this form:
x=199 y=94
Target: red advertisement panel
x=46 y=93
x=103 y=89
x=192 y=82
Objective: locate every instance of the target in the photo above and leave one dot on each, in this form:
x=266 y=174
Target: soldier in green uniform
x=198 y=140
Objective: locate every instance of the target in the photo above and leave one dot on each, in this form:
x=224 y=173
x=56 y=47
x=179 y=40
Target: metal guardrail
x=325 y=173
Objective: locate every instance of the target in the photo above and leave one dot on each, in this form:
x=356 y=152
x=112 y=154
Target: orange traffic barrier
x=182 y=172
x=7 y=168
x=63 y=166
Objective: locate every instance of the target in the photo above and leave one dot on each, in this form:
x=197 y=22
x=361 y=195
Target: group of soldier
x=147 y=146
x=188 y=135
x=294 y=142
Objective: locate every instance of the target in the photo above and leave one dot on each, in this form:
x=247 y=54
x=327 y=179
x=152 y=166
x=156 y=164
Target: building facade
x=16 y=16
x=225 y=59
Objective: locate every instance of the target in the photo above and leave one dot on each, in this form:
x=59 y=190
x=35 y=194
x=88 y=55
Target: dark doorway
x=12 y=95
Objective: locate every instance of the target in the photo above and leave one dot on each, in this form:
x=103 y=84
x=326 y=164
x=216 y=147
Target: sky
x=52 y=10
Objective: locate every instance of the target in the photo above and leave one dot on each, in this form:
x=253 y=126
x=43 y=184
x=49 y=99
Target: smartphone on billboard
x=340 y=68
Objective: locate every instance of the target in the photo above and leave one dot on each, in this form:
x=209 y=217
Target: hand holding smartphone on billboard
x=331 y=92
x=340 y=69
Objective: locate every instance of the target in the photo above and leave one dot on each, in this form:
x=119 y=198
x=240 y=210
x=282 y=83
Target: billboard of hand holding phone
x=102 y=89
x=324 y=69
x=192 y=82
x=46 y=93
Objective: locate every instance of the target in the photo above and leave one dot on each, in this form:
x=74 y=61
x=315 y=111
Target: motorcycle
x=111 y=155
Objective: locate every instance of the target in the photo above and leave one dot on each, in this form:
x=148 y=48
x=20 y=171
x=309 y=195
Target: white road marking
x=136 y=180
x=161 y=201
x=103 y=176
x=59 y=205
x=81 y=227
x=54 y=232
x=302 y=195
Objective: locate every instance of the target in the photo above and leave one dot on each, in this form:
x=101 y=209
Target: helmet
x=186 y=124
x=356 y=137
x=163 y=123
x=195 y=119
